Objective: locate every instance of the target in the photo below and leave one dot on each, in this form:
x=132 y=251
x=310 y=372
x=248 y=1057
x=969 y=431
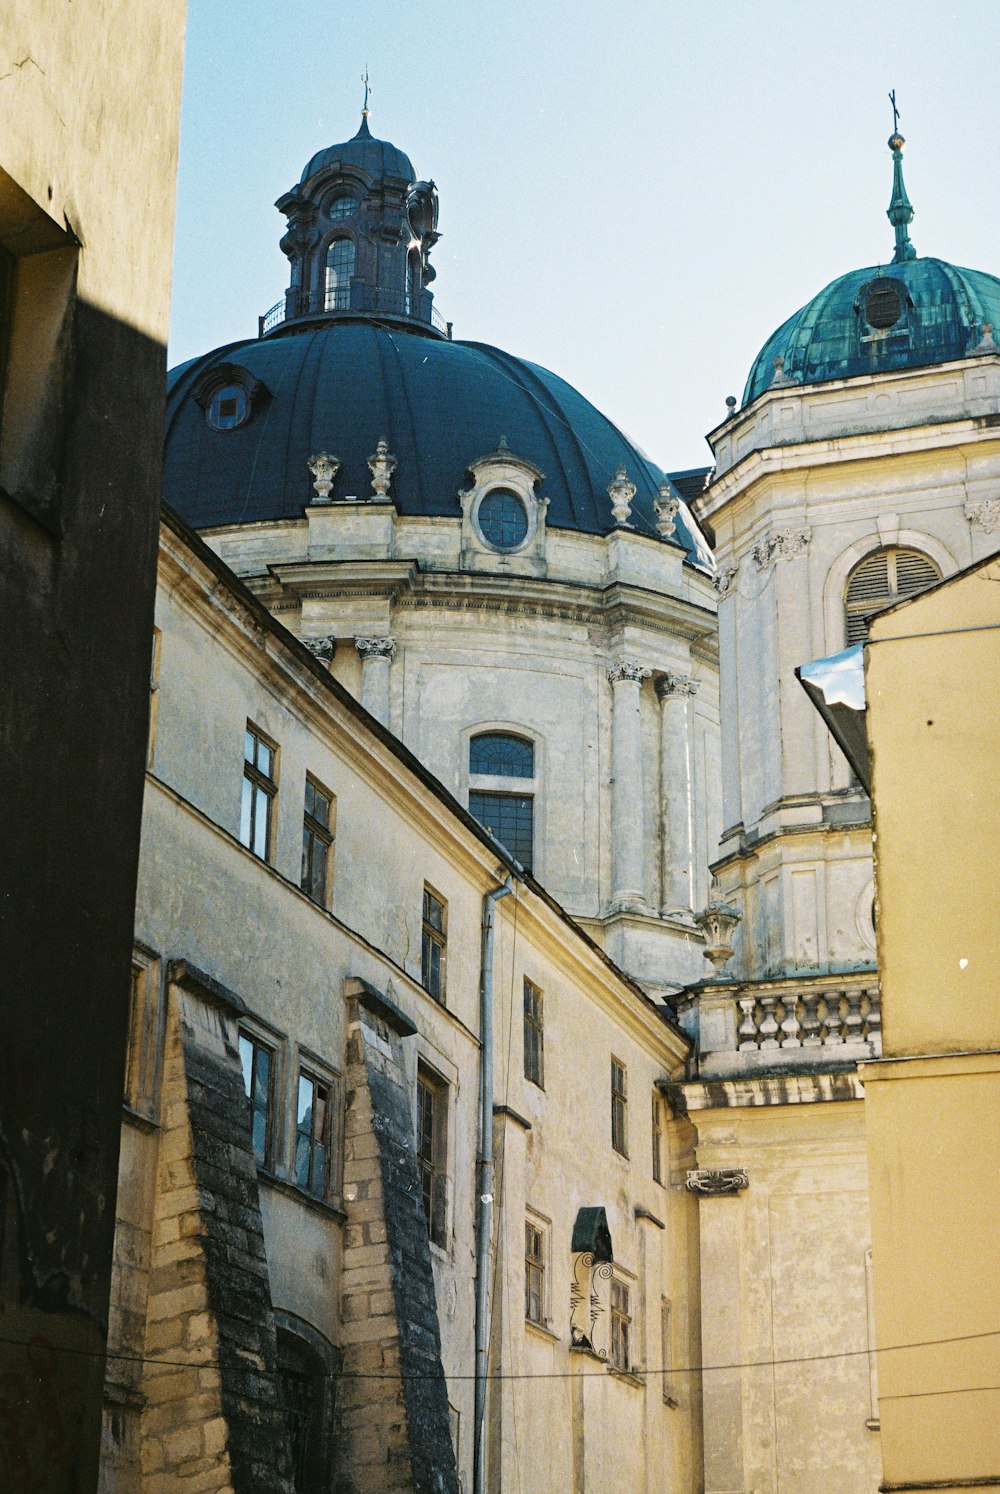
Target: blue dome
x=341 y=386
x=851 y=327
x=376 y=158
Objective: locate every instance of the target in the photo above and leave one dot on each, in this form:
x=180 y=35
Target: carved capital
x=375 y=648
x=382 y=464
x=628 y=670
x=670 y=684
x=724 y=577
x=621 y=491
x=780 y=544
x=984 y=515
x=717 y=1182
x=321 y=648
x=324 y=469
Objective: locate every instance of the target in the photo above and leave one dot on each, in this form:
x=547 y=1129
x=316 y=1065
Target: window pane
x=260 y=1134
x=262 y=806
x=509 y=818
x=264 y=756
x=502 y=754
x=246 y=811
x=249 y=745
x=246 y=1062
x=303 y=1115
x=262 y=1078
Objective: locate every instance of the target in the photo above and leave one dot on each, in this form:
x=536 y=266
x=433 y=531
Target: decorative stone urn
x=717 y=922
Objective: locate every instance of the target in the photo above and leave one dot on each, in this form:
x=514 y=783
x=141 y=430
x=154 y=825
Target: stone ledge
x=190 y=978
x=373 y=1000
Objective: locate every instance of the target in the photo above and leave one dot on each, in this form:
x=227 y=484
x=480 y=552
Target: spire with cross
x=900 y=210
x=364 y=78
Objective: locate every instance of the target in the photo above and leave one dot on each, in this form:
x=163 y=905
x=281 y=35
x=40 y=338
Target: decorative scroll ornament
x=321 y=648
x=780 y=544
x=586 y=1309
x=717 y=1182
x=666 y=506
x=724 y=578
x=621 y=492
x=717 y=922
x=628 y=670
x=669 y=684
x=382 y=465
x=324 y=469
x=375 y=648
x=984 y=515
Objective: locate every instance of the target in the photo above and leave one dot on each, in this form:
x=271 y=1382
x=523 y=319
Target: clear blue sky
x=632 y=194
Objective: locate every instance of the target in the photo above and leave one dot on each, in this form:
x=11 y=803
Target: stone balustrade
x=786 y=1023
x=806 y=1018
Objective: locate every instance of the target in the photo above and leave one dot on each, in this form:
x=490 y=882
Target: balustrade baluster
x=834 y=1022
x=810 y=1020
x=790 y=1024
x=748 y=1027
x=768 y=1025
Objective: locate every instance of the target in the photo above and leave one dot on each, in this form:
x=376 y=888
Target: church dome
x=912 y=314
x=342 y=385
x=376 y=158
x=908 y=315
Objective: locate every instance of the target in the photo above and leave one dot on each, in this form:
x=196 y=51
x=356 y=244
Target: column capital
x=375 y=648
x=321 y=648
x=780 y=544
x=628 y=669
x=669 y=684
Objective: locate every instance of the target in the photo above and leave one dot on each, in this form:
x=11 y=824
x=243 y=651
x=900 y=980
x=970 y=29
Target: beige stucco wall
x=933 y=1103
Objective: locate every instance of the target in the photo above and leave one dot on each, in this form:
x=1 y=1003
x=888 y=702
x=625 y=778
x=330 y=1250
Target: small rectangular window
x=621 y=1324
x=260 y=785
x=317 y=841
x=619 y=1104
x=657 y=1138
x=143 y=1024
x=534 y=1055
x=534 y=1273
x=433 y=944
x=667 y=1351
x=432 y=1139
x=257 y=1061
x=313 y=1130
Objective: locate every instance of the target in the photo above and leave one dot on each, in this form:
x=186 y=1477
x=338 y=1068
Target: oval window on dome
x=503 y=519
x=228 y=407
x=884 y=302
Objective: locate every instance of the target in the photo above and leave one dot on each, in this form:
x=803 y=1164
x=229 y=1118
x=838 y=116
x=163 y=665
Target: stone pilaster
x=394 y=1426
x=674 y=692
x=627 y=875
x=376 y=659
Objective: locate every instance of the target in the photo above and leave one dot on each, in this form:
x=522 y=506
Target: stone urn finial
x=666 y=506
x=382 y=465
x=621 y=492
x=324 y=469
x=717 y=922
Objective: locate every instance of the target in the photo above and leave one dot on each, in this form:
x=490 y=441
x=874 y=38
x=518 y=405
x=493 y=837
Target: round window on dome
x=341 y=207
x=884 y=302
x=228 y=407
x=503 y=519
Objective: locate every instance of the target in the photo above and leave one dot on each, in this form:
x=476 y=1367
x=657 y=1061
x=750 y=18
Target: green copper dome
x=906 y=315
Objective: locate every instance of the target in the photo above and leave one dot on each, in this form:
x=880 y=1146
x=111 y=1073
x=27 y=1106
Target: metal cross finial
x=364 y=79
x=895 y=112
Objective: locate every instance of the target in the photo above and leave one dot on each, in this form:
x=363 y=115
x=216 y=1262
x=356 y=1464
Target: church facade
x=476 y=733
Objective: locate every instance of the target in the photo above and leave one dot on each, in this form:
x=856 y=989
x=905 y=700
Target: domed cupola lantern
x=360 y=231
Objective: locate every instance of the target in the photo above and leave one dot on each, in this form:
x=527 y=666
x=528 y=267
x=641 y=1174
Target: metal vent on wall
x=882 y=578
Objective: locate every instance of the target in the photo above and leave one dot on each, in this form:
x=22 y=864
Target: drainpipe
x=484 y=1178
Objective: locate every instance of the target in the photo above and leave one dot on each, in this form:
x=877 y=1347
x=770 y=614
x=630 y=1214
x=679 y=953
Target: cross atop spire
x=900 y=210
x=364 y=78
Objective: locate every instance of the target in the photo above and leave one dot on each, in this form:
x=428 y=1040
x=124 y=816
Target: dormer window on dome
x=884 y=301
x=228 y=394
x=342 y=205
x=502 y=519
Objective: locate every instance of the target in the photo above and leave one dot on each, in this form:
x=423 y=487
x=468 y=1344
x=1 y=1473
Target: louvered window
x=882 y=578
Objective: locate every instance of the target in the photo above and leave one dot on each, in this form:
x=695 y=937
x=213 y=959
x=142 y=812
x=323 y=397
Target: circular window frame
x=530 y=513
x=216 y=393
x=341 y=196
x=880 y=288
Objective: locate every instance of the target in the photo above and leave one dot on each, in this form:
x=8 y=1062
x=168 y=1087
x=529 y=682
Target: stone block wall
x=395 y=1431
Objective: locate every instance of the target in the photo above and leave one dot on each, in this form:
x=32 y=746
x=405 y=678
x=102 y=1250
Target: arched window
x=882 y=578
x=339 y=269
x=508 y=812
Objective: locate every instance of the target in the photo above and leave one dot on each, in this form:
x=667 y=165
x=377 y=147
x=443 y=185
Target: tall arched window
x=506 y=809
x=339 y=269
x=883 y=577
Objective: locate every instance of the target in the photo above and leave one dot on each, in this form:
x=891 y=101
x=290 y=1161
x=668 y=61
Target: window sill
x=327 y=1207
x=628 y=1377
x=540 y=1330
x=440 y=1252
x=139 y=1120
